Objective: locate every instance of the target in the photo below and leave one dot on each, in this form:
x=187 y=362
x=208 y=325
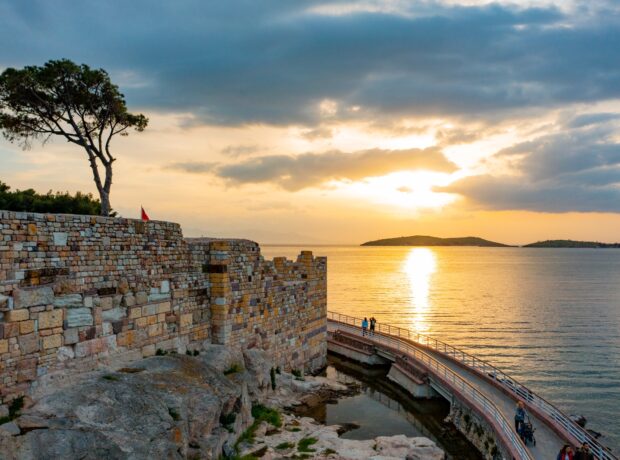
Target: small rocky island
x=424 y=240
x=571 y=244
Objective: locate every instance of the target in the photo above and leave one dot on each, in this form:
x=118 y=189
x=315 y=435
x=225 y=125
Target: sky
x=339 y=122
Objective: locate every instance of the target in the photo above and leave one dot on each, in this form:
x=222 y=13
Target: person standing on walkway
x=520 y=418
x=583 y=453
x=364 y=326
x=373 y=321
x=566 y=453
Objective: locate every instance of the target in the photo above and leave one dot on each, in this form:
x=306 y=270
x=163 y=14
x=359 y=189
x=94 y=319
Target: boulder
x=161 y=407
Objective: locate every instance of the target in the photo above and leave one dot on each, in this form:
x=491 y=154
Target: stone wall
x=80 y=292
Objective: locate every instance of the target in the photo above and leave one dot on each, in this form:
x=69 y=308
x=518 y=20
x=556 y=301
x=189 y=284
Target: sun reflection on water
x=420 y=265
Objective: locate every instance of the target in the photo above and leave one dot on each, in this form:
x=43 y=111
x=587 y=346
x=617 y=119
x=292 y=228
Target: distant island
x=571 y=244
x=424 y=240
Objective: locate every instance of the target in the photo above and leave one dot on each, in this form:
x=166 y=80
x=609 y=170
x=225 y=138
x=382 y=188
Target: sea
x=548 y=317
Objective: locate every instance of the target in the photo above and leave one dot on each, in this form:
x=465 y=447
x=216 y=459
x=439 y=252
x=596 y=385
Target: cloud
x=193 y=167
x=274 y=62
x=576 y=169
x=317 y=133
x=235 y=151
x=296 y=172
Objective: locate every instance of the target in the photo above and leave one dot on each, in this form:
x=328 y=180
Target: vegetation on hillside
x=424 y=240
x=50 y=202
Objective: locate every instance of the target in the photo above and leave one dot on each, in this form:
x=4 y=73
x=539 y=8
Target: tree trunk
x=104 y=194
x=105 y=203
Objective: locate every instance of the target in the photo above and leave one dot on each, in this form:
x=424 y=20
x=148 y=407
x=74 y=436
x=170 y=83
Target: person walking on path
x=373 y=321
x=583 y=453
x=566 y=453
x=364 y=326
x=520 y=418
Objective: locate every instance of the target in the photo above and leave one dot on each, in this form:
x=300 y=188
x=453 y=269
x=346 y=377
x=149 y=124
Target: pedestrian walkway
x=493 y=392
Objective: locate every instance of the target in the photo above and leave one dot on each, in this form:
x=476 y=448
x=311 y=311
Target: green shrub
x=110 y=377
x=262 y=413
x=304 y=444
x=285 y=445
x=174 y=414
x=51 y=202
x=161 y=352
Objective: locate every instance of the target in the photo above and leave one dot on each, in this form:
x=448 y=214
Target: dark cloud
x=577 y=169
x=272 y=61
x=312 y=169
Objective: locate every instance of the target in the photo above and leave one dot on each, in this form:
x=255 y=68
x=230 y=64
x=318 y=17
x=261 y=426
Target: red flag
x=145 y=216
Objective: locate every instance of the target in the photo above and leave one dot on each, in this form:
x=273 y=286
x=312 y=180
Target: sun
x=404 y=189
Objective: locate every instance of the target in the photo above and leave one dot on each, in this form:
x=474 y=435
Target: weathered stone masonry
x=80 y=292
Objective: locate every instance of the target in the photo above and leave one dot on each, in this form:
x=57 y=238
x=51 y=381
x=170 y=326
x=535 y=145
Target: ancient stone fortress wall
x=80 y=292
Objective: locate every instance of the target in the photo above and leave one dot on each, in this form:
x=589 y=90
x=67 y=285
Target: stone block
x=71 y=336
x=4 y=302
x=106 y=328
x=115 y=314
x=4 y=346
x=125 y=339
x=88 y=302
x=90 y=347
x=65 y=353
x=28 y=343
x=49 y=319
x=148 y=350
x=4 y=410
x=158 y=297
x=135 y=313
x=79 y=317
x=8 y=330
x=141 y=297
x=17 y=315
x=165 y=287
x=30 y=297
x=106 y=303
x=52 y=341
x=60 y=238
x=68 y=301
x=163 y=307
x=151 y=309
x=141 y=322
x=129 y=300
x=186 y=319
x=26 y=327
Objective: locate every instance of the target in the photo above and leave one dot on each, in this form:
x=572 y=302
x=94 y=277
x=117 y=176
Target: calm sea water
x=548 y=317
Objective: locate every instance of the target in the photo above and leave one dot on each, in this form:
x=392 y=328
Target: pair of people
x=366 y=323
x=583 y=453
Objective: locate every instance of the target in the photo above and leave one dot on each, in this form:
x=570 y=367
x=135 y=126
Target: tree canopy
x=73 y=101
x=51 y=202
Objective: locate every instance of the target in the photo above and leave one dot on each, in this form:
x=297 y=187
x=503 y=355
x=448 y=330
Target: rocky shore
x=218 y=404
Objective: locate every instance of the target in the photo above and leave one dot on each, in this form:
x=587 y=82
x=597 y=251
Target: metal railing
x=455 y=382
x=553 y=413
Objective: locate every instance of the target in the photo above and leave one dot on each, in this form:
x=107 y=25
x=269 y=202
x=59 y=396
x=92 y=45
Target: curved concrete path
x=548 y=442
